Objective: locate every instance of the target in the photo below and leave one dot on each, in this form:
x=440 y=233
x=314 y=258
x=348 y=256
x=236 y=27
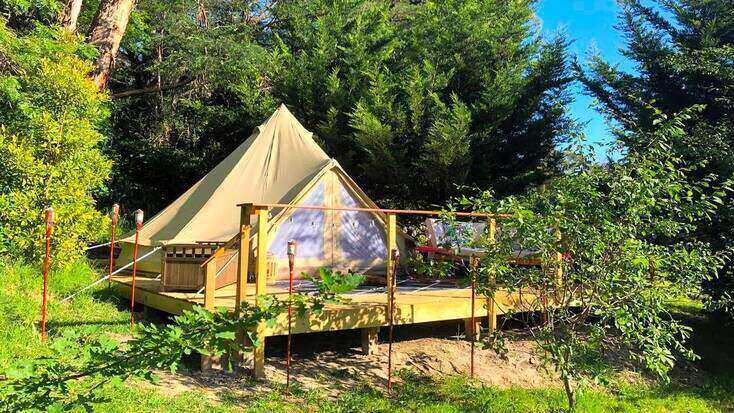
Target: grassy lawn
x=710 y=389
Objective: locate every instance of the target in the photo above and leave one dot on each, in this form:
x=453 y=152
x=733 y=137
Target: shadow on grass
x=712 y=377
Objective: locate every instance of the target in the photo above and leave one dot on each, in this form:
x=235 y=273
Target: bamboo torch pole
x=113 y=224
x=46 y=265
x=391 y=316
x=291 y=266
x=138 y=225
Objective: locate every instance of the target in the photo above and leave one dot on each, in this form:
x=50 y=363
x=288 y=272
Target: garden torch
x=46 y=263
x=138 y=225
x=113 y=223
x=291 y=266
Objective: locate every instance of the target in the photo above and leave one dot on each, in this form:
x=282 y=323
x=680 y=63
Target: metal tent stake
x=113 y=224
x=291 y=266
x=391 y=317
x=46 y=265
x=138 y=225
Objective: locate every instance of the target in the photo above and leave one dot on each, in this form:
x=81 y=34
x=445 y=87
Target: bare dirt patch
x=333 y=362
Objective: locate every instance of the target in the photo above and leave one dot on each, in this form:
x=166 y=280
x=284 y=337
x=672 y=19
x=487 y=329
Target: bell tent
x=279 y=163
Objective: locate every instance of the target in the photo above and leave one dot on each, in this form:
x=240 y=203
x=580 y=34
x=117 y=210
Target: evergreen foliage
x=684 y=56
x=412 y=99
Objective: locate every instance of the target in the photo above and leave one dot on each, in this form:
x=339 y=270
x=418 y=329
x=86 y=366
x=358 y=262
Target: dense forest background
x=412 y=99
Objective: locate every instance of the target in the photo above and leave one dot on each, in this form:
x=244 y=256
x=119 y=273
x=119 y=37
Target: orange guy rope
x=138 y=225
x=46 y=265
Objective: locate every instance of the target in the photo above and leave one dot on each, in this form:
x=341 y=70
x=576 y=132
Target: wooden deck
x=364 y=308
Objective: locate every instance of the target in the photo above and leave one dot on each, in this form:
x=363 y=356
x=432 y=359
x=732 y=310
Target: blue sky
x=590 y=24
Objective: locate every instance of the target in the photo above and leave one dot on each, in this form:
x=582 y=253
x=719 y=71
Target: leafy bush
x=50 y=114
x=603 y=236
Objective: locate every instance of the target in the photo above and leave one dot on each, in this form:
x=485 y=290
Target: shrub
x=50 y=115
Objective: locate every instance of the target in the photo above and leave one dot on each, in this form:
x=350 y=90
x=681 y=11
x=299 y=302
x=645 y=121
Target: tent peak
x=283 y=109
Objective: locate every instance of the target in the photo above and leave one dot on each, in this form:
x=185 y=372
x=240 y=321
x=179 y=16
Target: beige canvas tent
x=279 y=163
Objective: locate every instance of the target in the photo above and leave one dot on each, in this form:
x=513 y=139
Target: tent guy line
x=124 y=267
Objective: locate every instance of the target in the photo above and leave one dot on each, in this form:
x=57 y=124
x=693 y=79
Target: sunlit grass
x=98 y=311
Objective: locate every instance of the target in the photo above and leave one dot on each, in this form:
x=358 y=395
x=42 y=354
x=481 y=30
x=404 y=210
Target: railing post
x=260 y=288
x=244 y=257
x=243 y=264
x=391 y=245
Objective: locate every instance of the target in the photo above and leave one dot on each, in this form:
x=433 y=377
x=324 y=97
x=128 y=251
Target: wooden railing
x=215 y=265
x=241 y=243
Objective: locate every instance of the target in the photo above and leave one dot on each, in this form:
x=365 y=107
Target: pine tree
x=683 y=52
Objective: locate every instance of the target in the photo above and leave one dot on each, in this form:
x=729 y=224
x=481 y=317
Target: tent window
x=359 y=238
x=305 y=226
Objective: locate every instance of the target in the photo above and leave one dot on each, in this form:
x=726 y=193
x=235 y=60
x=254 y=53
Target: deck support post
x=260 y=288
x=472 y=328
x=369 y=340
x=392 y=256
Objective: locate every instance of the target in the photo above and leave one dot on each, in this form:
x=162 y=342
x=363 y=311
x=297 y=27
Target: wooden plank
x=362 y=311
x=158 y=301
x=472 y=327
x=243 y=262
x=262 y=252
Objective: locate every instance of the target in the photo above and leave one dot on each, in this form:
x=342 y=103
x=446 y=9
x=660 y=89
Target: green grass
x=100 y=312
x=20 y=304
x=453 y=394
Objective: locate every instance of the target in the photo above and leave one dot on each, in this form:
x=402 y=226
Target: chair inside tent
x=279 y=163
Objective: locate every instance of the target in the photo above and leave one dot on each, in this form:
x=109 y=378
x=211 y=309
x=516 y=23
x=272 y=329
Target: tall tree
x=106 y=33
x=412 y=99
x=418 y=98
x=684 y=56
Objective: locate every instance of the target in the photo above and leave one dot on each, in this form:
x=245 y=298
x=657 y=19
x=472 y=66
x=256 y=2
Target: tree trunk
x=106 y=34
x=70 y=14
x=569 y=392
